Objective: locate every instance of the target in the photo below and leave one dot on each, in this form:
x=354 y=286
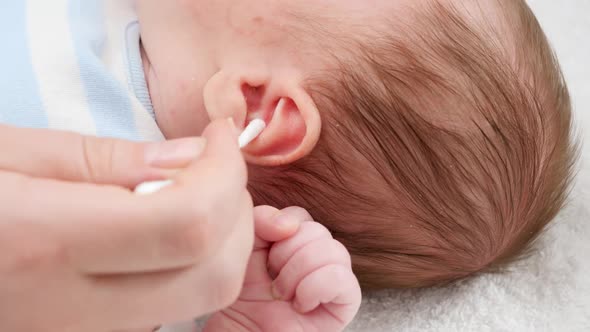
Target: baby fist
x=299 y=279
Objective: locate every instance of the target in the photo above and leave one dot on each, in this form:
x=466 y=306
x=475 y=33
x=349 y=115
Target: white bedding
x=550 y=291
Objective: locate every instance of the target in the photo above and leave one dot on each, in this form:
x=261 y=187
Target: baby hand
x=299 y=279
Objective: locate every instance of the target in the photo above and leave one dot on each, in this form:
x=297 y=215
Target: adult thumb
x=72 y=157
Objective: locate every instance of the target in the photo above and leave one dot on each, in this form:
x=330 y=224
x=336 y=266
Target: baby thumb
x=272 y=225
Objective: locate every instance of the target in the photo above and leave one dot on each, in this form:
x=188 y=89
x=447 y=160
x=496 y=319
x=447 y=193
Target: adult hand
x=81 y=252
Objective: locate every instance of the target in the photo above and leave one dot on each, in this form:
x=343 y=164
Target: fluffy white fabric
x=550 y=291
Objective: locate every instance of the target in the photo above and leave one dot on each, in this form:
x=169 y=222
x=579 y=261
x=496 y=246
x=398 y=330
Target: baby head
x=432 y=137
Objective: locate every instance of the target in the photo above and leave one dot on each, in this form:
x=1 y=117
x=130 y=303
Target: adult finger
x=180 y=294
x=221 y=159
x=213 y=185
x=107 y=229
x=178 y=225
x=73 y=157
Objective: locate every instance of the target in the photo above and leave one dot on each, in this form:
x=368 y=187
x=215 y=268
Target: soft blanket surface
x=549 y=291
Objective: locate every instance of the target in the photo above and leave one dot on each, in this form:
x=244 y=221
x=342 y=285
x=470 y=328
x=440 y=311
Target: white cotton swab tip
x=147 y=188
x=253 y=130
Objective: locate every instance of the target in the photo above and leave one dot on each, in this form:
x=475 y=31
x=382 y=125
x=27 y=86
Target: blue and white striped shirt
x=74 y=65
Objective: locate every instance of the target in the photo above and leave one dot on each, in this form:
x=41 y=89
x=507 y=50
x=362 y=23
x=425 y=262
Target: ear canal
x=254 y=98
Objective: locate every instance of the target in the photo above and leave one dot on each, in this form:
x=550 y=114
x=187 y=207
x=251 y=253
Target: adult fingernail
x=233 y=126
x=276 y=294
x=174 y=154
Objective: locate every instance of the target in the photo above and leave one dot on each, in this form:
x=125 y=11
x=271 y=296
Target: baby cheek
x=184 y=113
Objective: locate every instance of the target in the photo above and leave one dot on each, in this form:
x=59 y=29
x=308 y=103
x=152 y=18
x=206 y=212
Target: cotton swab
x=147 y=188
x=252 y=131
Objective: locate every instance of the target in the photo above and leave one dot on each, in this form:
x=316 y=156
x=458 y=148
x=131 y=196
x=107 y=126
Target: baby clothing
x=74 y=65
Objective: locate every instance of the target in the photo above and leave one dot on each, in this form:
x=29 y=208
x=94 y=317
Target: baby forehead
x=397 y=16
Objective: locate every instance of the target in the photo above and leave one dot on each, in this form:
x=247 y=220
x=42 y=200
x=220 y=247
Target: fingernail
x=174 y=154
x=231 y=122
x=273 y=275
x=275 y=292
x=297 y=307
x=233 y=126
x=284 y=220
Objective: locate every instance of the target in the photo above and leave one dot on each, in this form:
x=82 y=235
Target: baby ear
x=293 y=125
x=292 y=118
x=224 y=97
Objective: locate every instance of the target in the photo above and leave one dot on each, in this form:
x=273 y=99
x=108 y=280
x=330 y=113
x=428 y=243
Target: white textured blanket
x=550 y=291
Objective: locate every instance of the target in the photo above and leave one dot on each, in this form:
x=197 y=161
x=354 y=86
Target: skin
x=202 y=67
x=160 y=249
x=63 y=275
x=298 y=279
x=210 y=59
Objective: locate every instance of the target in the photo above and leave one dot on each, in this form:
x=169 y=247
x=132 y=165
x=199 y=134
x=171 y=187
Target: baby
x=77 y=65
x=432 y=137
